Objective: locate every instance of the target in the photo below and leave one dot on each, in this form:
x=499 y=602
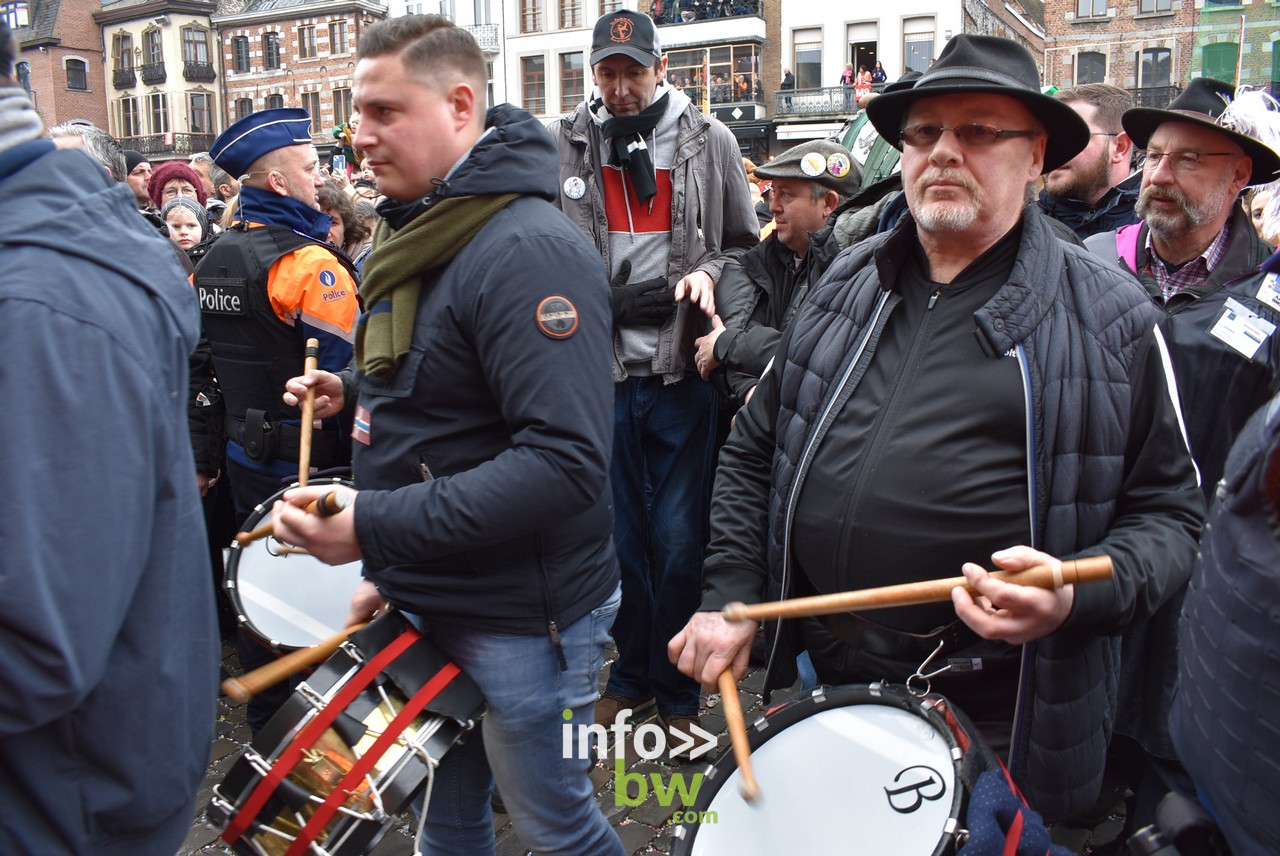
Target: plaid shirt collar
x=1193 y=273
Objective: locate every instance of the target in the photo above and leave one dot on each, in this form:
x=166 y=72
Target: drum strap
x=385 y=741
x=307 y=737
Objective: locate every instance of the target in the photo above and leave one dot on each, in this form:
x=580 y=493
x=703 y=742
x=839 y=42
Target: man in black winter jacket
x=1095 y=191
x=757 y=295
x=1201 y=262
x=482 y=433
x=964 y=392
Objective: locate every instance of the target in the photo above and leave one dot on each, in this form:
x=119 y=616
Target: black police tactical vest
x=254 y=352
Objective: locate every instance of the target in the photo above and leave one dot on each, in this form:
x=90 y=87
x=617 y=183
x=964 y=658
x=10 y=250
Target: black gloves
x=645 y=303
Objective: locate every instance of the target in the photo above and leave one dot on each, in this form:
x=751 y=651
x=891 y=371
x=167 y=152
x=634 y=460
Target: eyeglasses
x=173 y=191
x=1178 y=161
x=968 y=135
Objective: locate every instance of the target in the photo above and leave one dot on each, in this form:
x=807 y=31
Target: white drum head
x=867 y=779
x=289 y=600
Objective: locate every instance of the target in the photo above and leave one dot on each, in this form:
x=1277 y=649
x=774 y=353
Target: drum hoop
x=816 y=701
x=230 y=573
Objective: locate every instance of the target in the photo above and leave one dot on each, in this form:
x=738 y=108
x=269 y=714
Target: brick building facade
x=60 y=59
x=292 y=54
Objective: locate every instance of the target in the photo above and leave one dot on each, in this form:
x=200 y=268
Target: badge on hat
x=557 y=317
x=813 y=164
x=574 y=187
x=838 y=164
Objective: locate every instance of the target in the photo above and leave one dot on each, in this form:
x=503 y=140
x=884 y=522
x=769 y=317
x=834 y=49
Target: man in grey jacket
x=962 y=393
x=661 y=191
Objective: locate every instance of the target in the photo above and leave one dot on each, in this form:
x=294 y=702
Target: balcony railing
x=169 y=144
x=1155 y=97
x=688 y=11
x=825 y=101
x=154 y=73
x=486 y=36
x=124 y=78
x=199 y=72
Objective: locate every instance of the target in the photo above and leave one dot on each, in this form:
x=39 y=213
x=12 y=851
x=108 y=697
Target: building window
x=244 y=106
x=808 y=60
x=158 y=107
x=195 y=45
x=338 y=37
x=23 y=71
x=1091 y=8
x=130 y=118
x=530 y=16
x=607 y=6
x=122 y=51
x=571 y=81
x=200 y=109
x=341 y=105
x=1220 y=61
x=917 y=50
x=413 y=9
x=1091 y=67
x=15 y=14
x=306 y=42
x=271 y=50
x=77 y=74
x=533 y=84
x=736 y=65
x=480 y=11
x=240 y=54
x=311 y=103
x=1155 y=67
x=275 y=101
x=1154 y=7
x=154 y=47
x=570 y=14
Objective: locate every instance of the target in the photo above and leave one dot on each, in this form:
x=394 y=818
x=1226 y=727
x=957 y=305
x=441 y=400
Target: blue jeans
x=549 y=798
x=663 y=445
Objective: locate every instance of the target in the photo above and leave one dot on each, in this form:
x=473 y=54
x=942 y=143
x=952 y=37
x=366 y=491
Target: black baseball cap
x=631 y=34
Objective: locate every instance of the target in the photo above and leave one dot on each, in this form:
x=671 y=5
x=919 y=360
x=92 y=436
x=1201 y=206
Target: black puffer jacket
x=1111 y=473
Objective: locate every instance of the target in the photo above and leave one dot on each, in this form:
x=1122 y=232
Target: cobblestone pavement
x=644 y=829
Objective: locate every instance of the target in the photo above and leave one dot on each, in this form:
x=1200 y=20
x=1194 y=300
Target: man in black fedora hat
x=963 y=392
x=1201 y=262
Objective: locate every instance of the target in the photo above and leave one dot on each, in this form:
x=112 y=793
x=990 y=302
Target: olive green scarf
x=395 y=268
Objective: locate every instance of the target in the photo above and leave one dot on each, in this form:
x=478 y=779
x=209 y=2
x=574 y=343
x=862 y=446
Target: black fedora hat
x=1203 y=103
x=986 y=64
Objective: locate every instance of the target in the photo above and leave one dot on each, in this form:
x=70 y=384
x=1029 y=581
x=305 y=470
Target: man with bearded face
x=1095 y=191
x=963 y=392
x=1201 y=261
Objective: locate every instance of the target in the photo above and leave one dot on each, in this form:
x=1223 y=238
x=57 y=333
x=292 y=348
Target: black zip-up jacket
x=1108 y=473
x=484 y=489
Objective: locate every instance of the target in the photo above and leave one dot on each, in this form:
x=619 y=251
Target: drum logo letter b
x=919 y=783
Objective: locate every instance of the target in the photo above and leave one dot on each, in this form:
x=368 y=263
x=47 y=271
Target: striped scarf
x=625 y=135
x=19 y=122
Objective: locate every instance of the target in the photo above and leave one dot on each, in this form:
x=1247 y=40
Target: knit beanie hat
x=132 y=159
x=202 y=216
x=168 y=171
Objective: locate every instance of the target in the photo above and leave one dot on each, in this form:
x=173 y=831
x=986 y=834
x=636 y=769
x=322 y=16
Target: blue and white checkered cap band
x=255 y=135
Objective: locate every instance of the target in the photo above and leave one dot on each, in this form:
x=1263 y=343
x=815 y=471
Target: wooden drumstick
x=926 y=591
x=310 y=364
x=249 y=684
x=738 y=734
x=326 y=506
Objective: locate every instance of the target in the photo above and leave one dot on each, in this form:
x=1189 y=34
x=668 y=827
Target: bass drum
x=288 y=599
x=866 y=769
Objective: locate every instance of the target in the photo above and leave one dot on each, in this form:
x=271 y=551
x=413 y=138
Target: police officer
x=266 y=286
